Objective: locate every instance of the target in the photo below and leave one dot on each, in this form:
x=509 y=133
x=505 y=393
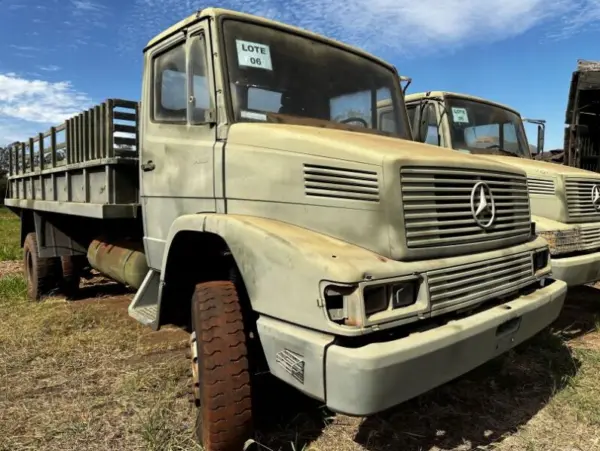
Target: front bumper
x=577 y=270
x=369 y=379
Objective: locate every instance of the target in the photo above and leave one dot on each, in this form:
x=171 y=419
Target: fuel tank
x=123 y=262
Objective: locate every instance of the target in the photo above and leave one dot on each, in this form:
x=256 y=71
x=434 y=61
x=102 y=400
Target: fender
x=282 y=265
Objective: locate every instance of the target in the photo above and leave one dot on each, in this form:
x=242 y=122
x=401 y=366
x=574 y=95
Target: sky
x=60 y=56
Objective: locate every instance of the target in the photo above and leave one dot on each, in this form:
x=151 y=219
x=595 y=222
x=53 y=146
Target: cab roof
x=217 y=12
x=440 y=94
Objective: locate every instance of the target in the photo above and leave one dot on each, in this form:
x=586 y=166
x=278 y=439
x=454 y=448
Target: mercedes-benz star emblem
x=483 y=207
x=596 y=197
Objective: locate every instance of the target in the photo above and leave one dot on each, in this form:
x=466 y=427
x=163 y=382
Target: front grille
x=470 y=284
x=590 y=238
x=437 y=206
x=579 y=198
x=540 y=186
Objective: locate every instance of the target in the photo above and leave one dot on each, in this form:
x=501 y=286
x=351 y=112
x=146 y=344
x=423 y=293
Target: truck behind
x=565 y=201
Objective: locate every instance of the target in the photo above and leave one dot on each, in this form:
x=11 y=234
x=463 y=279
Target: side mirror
x=541 y=130
x=540 y=139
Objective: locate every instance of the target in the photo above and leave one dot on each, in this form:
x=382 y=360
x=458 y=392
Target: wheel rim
x=195 y=388
x=29 y=265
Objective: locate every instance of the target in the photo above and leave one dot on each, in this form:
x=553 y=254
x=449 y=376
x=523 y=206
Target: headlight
x=562 y=241
x=540 y=259
x=389 y=297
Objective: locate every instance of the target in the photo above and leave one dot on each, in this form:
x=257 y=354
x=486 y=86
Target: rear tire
x=221 y=379
x=40 y=273
x=71 y=276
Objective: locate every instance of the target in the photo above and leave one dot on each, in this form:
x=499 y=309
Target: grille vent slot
x=579 y=199
x=340 y=183
x=540 y=186
x=437 y=206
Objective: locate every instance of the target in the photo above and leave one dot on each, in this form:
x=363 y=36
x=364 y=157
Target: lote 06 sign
x=253 y=54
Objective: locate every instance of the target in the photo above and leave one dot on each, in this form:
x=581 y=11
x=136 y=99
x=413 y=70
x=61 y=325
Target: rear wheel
x=71 y=276
x=221 y=379
x=40 y=273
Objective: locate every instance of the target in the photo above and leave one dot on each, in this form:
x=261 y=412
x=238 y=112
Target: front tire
x=221 y=378
x=40 y=273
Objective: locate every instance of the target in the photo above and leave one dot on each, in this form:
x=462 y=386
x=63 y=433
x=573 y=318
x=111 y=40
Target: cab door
x=178 y=135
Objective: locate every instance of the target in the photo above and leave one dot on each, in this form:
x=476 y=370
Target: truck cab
x=265 y=205
x=565 y=201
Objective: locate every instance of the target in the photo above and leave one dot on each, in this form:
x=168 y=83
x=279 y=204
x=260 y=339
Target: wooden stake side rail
x=86 y=166
x=98 y=133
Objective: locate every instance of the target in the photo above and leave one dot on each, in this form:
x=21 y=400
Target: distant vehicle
x=262 y=204
x=564 y=204
x=582 y=118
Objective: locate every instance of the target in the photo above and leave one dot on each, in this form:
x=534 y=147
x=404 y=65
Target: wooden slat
x=123 y=103
x=137 y=129
x=31 y=155
x=124 y=141
x=61 y=127
x=125 y=128
x=11 y=170
x=53 y=148
x=121 y=116
x=68 y=140
x=86 y=135
x=80 y=141
x=97 y=133
x=102 y=131
x=110 y=128
x=23 y=166
x=42 y=155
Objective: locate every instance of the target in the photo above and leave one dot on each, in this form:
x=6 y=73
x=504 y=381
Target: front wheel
x=221 y=377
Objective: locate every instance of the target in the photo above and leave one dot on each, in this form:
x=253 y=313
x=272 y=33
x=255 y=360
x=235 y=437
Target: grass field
x=82 y=375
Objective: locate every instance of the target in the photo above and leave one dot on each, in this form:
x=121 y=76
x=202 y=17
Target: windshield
x=280 y=77
x=483 y=128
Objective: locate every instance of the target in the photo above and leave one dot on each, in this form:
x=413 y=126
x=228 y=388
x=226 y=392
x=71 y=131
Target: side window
x=170 y=93
x=433 y=136
x=386 y=122
x=200 y=89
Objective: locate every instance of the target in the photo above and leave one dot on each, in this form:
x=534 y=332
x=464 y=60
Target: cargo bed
x=87 y=166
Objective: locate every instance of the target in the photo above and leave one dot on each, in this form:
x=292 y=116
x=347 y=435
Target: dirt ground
x=83 y=375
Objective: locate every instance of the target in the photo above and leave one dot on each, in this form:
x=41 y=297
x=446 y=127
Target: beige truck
x=255 y=198
x=565 y=201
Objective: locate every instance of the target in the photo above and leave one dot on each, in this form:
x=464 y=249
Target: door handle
x=149 y=166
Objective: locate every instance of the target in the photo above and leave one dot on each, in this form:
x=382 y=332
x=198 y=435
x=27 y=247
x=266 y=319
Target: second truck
x=256 y=198
x=565 y=201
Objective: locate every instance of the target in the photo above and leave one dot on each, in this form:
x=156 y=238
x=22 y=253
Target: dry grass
x=9 y=237
x=84 y=376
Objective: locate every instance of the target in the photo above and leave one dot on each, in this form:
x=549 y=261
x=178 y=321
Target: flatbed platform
x=87 y=166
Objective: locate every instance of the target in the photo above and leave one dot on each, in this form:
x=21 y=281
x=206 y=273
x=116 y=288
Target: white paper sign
x=252 y=54
x=460 y=115
x=252 y=115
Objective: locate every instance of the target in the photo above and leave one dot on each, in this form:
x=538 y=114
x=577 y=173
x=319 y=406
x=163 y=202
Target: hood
x=353 y=146
x=537 y=168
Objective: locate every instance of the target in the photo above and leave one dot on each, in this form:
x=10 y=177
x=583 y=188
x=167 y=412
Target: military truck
x=565 y=201
x=254 y=197
x=582 y=118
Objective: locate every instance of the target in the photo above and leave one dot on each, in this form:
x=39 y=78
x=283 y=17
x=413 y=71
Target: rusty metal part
x=124 y=262
x=195 y=389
